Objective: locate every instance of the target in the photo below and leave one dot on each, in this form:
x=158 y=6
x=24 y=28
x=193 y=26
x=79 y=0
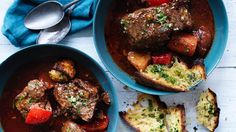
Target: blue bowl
x=212 y=59
x=10 y=65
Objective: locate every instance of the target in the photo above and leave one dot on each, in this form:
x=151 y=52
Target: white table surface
x=222 y=80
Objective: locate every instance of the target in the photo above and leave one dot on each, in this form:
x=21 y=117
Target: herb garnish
x=161 y=17
x=150 y=105
x=124 y=23
x=77 y=102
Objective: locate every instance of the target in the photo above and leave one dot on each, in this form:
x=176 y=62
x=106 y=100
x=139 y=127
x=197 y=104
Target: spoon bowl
x=52 y=12
x=46 y=15
x=56 y=33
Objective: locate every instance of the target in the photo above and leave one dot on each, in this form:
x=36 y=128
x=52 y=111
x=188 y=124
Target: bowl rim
x=159 y=92
x=113 y=90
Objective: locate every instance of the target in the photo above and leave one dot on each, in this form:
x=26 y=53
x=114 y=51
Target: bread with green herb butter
x=149 y=114
x=175 y=119
x=176 y=77
x=207 y=110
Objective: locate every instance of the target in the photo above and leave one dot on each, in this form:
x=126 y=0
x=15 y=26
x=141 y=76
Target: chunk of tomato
x=163 y=59
x=157 y=2
x=38 y=116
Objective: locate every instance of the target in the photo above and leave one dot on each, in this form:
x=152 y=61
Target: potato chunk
x=70 y=126
x=139 y=60
x=184 y=44
x=63 y=71
x=58 y=76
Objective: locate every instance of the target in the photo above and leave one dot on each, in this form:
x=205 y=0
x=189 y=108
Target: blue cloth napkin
x=14 y=29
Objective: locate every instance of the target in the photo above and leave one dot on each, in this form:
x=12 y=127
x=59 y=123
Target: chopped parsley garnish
x=160 y=70
x=211 y=110
x=161 y=17
x=161 y=116
x=77 y=101
x=161 y=126
x=68 y=130
x=21 y=97
x=192 y=77
x=174 y=129
x=152 y=115
x=156 y=68
x=150 y=105
x=124 y=23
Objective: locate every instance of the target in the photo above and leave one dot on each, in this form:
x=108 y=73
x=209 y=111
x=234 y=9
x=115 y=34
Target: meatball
x=63 y=71
x=70 y=126
x=33 y=94
x=77 y=99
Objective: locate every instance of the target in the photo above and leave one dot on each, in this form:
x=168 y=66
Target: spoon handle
x=70 y=10
x=70 y=4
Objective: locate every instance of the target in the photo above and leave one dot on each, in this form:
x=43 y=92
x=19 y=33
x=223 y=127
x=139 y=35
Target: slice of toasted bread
x=175 y=119
x=207 y=110
x=177 y=77
x=147 y=115
x=151 y=115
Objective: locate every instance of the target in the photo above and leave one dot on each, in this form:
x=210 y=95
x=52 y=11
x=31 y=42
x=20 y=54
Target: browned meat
x=151 y=27
x=180 y=3
x=63 y=71
x=93 y=90
x=32 y=95
x=70 y=126
x=204 y=40
x=106 y=98
x=77 y=99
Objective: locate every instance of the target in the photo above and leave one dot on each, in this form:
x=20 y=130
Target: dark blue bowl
x=10 y=65
x=212 y=59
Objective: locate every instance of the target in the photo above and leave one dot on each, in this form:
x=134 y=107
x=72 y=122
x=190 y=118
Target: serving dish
x=211 y=60
x=24 y=56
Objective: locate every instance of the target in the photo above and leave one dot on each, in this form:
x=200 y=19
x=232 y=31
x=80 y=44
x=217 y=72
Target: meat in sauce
x=77 y=99
x=33 y=94
x=119 y=44
x=144 y=34
x=45 y=104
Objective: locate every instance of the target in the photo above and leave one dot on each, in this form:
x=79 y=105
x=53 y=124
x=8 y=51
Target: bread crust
x=123 y=116
x=146 y=80
x=181 y=109
x=183 y=117
x=217 y=114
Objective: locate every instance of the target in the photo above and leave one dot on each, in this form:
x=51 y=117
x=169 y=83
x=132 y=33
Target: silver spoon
x=46 y=15
x=56 y=33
